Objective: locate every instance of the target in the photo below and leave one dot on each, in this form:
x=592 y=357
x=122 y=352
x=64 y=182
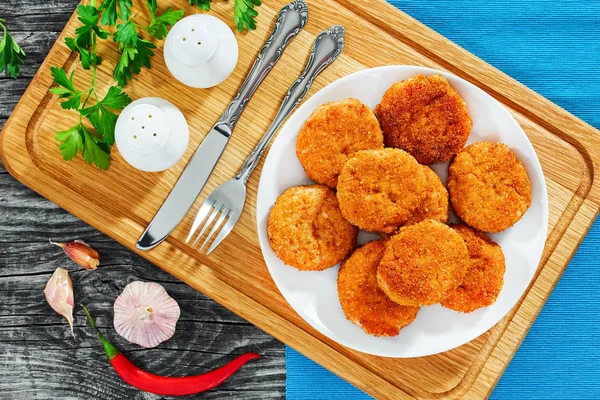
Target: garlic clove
x=59 y=295
x=81 y=252
x=145 y=314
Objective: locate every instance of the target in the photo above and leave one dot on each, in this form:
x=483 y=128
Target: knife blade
x=290 y=21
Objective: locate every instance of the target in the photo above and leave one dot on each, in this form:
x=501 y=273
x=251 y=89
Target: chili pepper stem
x=111 y=351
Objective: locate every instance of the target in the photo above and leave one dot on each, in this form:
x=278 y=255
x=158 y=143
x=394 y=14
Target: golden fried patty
x=378 y=190
x=363 y=302
x=334 y=132
x=485 y=276
x=307 y=230
x=435 y=204
x=426 y=117
x=489 y=188
x=422 y=264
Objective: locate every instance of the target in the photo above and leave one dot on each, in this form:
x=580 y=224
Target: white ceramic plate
x=313 y=295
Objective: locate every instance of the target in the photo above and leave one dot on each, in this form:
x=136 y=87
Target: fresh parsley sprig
x=244 y=12
x=11 y=54
x=85 y=35
x=93 y=146
x=135 y=52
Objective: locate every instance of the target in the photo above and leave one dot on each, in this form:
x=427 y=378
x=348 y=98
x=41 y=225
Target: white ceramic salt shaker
x=201 y=51
x=151 y=134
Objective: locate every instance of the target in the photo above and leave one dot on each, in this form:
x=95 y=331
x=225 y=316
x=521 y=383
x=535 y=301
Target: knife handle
x=326 y=48
x=290 y=21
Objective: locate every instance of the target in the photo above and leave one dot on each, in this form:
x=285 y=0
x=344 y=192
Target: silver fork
x=227 y=201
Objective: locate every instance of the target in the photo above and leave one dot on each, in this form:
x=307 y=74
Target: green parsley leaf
x=11 y=55
x=71 y=142
x=102 y=118
x=110 y=14
x=126 y=34
x=244 y=14
x=60 y=77
x=66 y=89
x=94 y=151
x=116 y=99
x=135 y=53
x=79 y=138
x=83 y=42
x=88 y=15
x=158 y=26
x=201 y=4
x=103 y=121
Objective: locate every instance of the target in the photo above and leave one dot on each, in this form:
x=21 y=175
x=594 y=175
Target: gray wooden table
x=38 y=357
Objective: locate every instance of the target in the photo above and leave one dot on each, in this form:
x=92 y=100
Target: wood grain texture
x=38 y=357
x=120 y=202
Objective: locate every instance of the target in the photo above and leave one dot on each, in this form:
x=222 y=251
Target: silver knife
x=290 y=21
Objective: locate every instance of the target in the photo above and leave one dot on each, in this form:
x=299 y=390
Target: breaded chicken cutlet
x=422 y=264
x=307 y=230
x=485 y=277
x=363 y=302
x=378 y=190
x=489 y=187
x=332 y=134
x=435 y=205
x=426 y=117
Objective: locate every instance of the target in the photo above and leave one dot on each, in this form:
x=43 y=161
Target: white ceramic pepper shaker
x=151 y=134
x=201 y=51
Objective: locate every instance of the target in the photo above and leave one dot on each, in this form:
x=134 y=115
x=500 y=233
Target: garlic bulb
x=59 y=294
x=145 y=314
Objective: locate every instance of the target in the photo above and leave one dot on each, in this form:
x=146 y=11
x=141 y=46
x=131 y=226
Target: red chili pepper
x=163 y=385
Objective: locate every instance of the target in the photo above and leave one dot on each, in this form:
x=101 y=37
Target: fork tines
x=211 y=210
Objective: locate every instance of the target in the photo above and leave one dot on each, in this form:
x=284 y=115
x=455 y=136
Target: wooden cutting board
x=121 y=201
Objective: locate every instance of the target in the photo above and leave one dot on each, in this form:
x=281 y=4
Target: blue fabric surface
x=554 y=48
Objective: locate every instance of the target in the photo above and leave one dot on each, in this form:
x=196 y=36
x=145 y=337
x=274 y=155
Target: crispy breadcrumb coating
x=426 y=117
x=489 y=187
x=332 y=134
x=378 y=190
x=485 y=277
x=307 y=230
x=363 y=302
x=435 y=205
x=422 y=264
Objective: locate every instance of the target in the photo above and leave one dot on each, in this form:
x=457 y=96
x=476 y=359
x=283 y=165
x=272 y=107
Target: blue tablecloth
x=554 y=48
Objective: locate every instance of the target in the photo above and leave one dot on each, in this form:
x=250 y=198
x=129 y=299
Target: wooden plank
x=120 y=202
x=31 y=333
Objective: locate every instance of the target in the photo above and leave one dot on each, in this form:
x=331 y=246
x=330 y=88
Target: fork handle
x=326 y=48
x=290 y=20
